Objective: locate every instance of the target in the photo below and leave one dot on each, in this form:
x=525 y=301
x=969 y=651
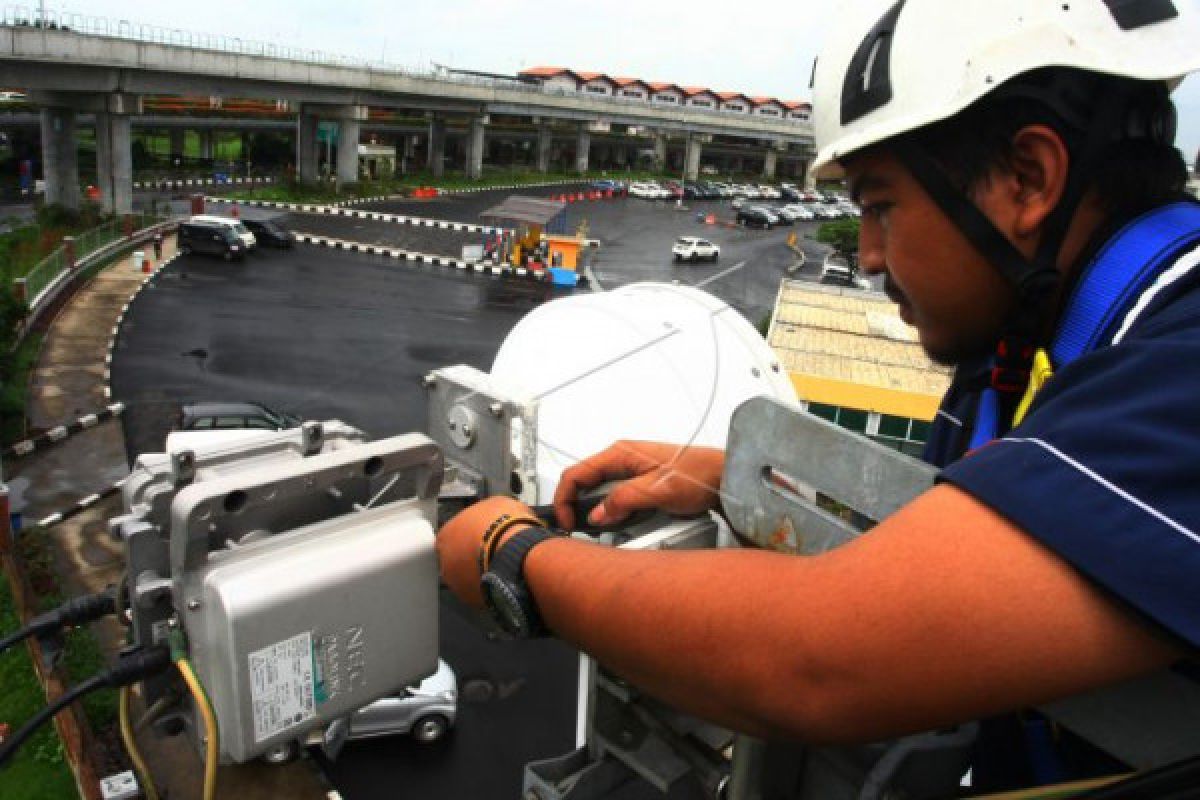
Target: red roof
x=688 y=91
x=544 y=72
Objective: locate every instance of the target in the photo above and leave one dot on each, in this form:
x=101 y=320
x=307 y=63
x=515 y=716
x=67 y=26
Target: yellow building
x=855 y=362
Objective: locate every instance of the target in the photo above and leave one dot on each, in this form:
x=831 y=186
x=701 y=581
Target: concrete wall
x=562 y=83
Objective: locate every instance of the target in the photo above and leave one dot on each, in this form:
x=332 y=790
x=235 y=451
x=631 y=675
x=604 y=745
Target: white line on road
x=720 y=275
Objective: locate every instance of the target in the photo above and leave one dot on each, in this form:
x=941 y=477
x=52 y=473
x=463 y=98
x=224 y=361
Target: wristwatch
x=504 y=588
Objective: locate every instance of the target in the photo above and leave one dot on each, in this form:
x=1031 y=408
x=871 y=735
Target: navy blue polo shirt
x=1105 y=469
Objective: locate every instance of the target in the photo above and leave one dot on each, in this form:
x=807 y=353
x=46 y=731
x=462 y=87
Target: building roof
x=688 y=91
x=850 y=349
x=532 y=210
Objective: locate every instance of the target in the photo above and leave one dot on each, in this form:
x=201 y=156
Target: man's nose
x=870 y=254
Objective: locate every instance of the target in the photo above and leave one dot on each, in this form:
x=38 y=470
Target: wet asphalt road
x=414 y=238
x=337 y=335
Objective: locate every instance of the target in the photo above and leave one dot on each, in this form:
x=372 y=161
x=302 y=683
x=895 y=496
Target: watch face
x=504 y=605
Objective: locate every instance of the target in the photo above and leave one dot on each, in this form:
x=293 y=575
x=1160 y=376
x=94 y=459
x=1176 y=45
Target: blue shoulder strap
x=1109 y=287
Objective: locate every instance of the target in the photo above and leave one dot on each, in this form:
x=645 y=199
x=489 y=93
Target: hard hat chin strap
x=1035 y=280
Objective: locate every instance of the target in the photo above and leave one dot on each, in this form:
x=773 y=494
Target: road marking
x=720 y=275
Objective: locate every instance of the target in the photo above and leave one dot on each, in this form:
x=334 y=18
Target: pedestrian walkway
x=69 y=382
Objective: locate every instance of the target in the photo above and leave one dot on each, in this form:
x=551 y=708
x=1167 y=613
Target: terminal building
x=665 y=94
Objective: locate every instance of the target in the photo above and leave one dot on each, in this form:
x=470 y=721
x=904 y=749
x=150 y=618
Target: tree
x=842 y=236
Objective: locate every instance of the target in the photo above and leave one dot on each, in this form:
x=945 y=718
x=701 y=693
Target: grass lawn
x=39 y=771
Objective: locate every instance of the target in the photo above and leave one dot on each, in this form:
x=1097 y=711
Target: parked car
x=248 y=240
x=213 y=240
x=216 y=416
x=787 y=214
x=755 y=217
x=774 y=215
x=212 y=426
x=426 y=712
x=270 y=232
x=838 y=271
x=769 y=192
x=800 y=212
x=692 y=248
x=604 y=186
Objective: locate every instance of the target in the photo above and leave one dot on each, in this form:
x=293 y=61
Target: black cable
x=130 y=668
x=75 y=611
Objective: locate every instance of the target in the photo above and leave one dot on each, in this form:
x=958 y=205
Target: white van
x=234 y=225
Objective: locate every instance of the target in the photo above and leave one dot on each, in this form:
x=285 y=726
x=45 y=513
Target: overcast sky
x=761 y=48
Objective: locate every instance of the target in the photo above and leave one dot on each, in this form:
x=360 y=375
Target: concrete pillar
x=660 y=151
x=306 y=147
x=60 y=157
x=691 y=164
x=114 y=162
x=544 y=141
x=475 y=148
x=583 y=146
x=770 y=160
x=207 y=144
x=349 y=131
x=437 y=147
x=178 y=142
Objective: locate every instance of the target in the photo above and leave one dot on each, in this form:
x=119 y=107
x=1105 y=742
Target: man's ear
x=1039 y=163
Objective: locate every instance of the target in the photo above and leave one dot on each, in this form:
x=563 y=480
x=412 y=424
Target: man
x=1004 y=155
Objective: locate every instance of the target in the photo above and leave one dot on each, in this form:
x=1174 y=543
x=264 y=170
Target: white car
x=691 y=248
x=234 y=225
x=426 y=712
x=642 y=190
x=769 y=192
x=801 y=211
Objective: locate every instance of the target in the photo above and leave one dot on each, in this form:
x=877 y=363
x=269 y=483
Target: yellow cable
x=135 y=755
x=211 y=753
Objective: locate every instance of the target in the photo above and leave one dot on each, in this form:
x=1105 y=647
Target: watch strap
x=509 y=566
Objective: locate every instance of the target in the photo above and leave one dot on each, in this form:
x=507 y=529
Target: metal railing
x=47 y=272
x=16 y=16
x=44 y=272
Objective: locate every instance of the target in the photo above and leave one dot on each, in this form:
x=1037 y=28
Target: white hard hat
x=893 y=66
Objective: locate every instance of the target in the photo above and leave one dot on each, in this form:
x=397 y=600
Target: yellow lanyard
x=1040 y=372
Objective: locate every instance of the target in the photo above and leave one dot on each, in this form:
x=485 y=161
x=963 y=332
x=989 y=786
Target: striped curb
x=339 y=210
x=116 y=328
x=422 y=258
x=81 y=506
x=63 y=432
x=186 y=182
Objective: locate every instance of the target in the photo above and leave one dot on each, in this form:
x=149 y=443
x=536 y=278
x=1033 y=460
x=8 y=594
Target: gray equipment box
x=293 y=631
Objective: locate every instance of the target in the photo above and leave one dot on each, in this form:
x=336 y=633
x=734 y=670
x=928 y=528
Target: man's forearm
x=690 y=628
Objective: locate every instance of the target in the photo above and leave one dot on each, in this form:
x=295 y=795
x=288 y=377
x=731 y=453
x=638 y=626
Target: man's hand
x=668 y=477
x=459 y=541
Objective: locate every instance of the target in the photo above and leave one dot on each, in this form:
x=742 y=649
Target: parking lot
x=331 y=334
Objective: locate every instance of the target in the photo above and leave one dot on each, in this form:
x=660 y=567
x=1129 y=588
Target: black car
x=213 y=240
x=755 y=218
x=232 y=416
x=268 y=231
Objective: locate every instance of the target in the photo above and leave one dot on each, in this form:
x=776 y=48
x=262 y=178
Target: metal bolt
x=193 y=605
x=497 y=409
x=453 y=425
x=466 y=430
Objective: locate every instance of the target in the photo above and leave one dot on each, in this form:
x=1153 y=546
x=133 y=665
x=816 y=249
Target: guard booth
x=376 y=161
x=542 y=239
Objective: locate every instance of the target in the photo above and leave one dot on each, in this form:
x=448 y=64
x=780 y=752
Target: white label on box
x=281 y=686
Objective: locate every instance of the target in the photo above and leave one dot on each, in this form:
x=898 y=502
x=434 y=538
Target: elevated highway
x=93 y=66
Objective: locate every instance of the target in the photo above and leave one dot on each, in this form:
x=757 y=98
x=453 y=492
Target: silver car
x=426 y=712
